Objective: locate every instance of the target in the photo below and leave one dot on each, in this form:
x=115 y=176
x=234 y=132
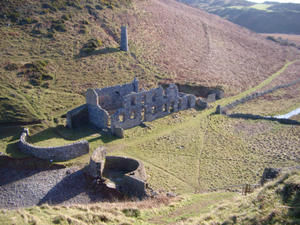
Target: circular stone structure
x=126 y=175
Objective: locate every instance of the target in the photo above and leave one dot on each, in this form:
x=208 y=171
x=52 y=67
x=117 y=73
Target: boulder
x=119 y=132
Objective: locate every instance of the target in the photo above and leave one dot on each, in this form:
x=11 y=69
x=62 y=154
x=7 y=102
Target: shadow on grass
x=13 y=151
x=294 y=210
x=97 y=52
x=10 y=132
x=258 y=117
x=290 y=195
x=74 y=135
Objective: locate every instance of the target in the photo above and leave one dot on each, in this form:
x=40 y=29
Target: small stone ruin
x=122 y=107
x=126 y=175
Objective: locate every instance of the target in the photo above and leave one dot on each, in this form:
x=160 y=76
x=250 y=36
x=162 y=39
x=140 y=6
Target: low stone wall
x=224 y=109
x=60 y=153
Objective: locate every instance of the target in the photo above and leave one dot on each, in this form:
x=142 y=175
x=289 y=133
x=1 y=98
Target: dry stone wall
x=60 y=153
x=224 y=109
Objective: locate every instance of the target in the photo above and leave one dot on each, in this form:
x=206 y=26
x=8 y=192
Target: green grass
x=62 y=215
x=190 y=206
x=263 y=7
x=187 y=152
x=151 y=211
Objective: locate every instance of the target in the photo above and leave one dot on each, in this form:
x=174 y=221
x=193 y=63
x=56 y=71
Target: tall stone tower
x=124 y=39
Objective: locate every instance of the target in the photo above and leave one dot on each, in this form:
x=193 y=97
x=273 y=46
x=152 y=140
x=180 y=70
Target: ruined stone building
x=125 y=106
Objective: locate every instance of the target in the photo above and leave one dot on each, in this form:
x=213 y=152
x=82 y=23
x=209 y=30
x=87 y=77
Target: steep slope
x=268 y=17
x=44 y=71
x=199 y=47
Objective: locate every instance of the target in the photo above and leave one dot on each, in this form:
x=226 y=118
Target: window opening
x=121 y=118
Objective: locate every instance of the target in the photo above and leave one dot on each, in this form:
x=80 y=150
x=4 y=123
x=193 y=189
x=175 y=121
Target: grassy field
x=263 y=7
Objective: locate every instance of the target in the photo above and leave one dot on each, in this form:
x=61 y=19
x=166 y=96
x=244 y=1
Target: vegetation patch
x=55 y=5
x=91 y=46
x=11 y=66
x=132 y=212
x=59 y=25
x=283 y=42
x=36 y=72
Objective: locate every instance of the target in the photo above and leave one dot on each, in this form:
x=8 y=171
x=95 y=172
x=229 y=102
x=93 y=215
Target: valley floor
x=194 y=151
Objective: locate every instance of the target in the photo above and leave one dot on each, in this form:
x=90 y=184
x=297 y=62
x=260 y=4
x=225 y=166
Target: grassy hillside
x=275 y=203
x=269 y=17
x=52 y=51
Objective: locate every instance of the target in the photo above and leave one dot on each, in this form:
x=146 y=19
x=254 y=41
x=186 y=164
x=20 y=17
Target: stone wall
x=133 y=181
x=111 y=98
x=224 y=109
x=101 y=102
x=97 y=116
x=96 y=164
x=60 y=153
x=150 y=105
x=258 y=117
x=78 y=116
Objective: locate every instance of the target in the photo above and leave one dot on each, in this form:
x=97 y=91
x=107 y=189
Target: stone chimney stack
x=124 y=39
